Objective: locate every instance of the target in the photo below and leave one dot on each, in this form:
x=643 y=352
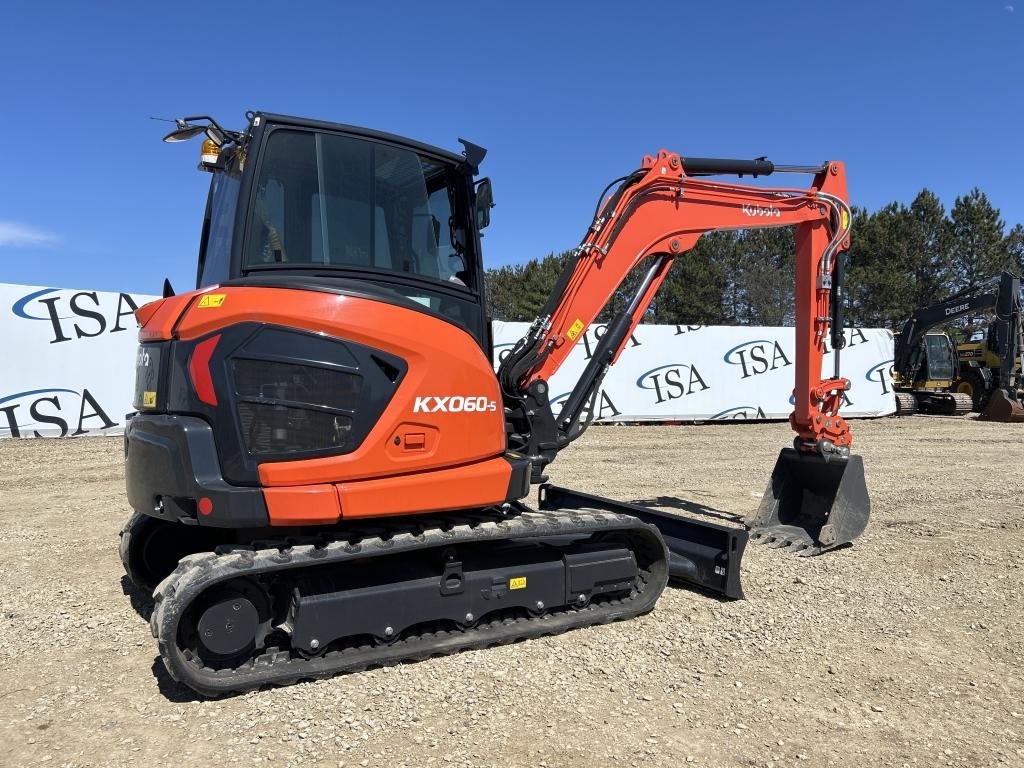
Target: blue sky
x=565 y=96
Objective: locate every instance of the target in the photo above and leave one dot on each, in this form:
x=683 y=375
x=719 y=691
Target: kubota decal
x=756 y=210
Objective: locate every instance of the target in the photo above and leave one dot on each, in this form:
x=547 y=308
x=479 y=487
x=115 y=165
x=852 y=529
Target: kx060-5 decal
x=453 y=404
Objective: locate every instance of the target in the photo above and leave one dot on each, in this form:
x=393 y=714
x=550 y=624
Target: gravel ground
x=905 y=649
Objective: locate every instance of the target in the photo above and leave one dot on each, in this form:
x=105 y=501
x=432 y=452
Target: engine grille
x=285 y=429
x=289 y=408
x=273 y=380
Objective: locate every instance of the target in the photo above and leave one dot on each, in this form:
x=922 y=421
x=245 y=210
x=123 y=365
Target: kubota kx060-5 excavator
x=325 y=470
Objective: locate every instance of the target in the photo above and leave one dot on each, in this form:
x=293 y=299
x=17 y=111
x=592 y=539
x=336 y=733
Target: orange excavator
x=328 y=475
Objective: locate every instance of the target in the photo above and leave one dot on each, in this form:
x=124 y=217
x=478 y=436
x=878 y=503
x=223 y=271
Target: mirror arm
x=220 y=134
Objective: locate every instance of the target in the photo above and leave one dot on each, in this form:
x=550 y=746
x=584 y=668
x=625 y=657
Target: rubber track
x=197 y=573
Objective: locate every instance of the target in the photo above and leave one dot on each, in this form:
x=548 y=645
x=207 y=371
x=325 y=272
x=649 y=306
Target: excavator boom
x=817 y=499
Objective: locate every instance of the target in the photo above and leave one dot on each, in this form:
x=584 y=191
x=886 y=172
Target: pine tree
x=979 y=247
x=1014 y=245
x=694 y=293
x=766 y=274
x=928 y=249
x=879 y=288
x=518 y=292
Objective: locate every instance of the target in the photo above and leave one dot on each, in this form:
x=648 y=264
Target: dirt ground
x=905 y=649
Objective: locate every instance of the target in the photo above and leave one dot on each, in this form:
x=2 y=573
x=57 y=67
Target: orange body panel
x=443 y=361
x=474 y=485
x=302 y=505
x=157 y=319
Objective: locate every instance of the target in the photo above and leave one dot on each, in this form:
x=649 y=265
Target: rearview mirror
x=484 y=203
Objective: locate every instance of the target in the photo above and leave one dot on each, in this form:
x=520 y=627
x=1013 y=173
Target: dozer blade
x=1002 y=407
x=701 y=553
x=812 y=505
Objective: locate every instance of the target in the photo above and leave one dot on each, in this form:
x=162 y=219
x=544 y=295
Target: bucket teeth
x=789 y=538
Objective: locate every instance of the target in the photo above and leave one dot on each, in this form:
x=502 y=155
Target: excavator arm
x=655 y=216
x=1006 y=339
x=817 y=498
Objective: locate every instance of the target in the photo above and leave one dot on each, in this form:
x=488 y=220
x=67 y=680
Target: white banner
x=706 y=373
x=69 y=360
x=69 y=367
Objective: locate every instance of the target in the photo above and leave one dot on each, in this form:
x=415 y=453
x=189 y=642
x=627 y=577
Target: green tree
x=878 y=289
x=694 y=291
x=1014 y=245
x=765 y=275
x=979 y=245
x=929 y=254
x=901 y=258
x=518 y=292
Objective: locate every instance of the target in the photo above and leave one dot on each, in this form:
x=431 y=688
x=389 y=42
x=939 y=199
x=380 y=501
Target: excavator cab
x=939 y=364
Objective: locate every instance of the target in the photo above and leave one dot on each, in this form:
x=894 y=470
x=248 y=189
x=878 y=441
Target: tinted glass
x=338 y=200
x=940 y=357
x=217 y=248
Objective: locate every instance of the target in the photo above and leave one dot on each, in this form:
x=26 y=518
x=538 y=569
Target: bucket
x=1002 y=407
x=812 y=504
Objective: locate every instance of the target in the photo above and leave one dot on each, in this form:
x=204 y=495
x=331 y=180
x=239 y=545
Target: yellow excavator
x=932 y=374
x=981 y=367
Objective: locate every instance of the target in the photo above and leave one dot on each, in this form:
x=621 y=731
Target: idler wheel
x=228 y=627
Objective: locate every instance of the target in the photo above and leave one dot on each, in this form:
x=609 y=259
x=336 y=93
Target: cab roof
x=418 y=146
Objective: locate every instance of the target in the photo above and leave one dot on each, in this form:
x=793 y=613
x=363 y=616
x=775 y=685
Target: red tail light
x=199 y=370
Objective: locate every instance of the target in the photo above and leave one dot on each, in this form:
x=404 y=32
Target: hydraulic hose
x=838 y=310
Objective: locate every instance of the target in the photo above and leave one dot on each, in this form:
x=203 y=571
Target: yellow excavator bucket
x=812 y=504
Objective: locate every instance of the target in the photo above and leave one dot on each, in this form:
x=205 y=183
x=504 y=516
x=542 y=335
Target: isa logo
x=55 y=410
x=879 y=374
x=740 y=412
x=757 y=357
x=604 y=406
x=77 y=314
x=672 y=381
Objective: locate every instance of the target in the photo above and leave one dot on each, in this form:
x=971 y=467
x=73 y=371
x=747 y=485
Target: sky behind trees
x=565 y=96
